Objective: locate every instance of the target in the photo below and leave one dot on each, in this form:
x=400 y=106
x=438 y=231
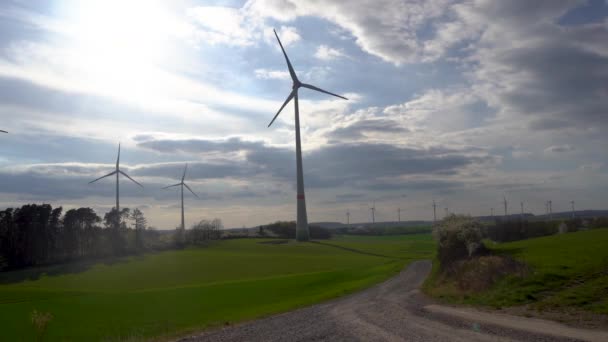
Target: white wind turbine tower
x=434 y=212
x=302 y=233
x=117 y=172
x=182 y=184
x=399 y=214
x=347 y=217
x=504 y=199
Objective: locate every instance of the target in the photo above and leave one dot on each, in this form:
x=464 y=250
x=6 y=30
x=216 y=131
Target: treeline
x=40 y=234
x=200 y=233
x=375 y=231
x=513 y=230
x=287 y=230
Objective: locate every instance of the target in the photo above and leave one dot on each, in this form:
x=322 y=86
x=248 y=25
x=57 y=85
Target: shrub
x=458 y=237
x=40 y=321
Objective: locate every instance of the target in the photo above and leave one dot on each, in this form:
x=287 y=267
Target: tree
x=139 y=223
x=205 y=230
x=117 y=229
x=81 y=233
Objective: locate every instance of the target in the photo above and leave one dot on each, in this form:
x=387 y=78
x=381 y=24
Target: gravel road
x=392 y=311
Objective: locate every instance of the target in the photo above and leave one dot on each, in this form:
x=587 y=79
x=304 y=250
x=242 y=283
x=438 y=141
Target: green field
x=170 y=293
x=565 y=271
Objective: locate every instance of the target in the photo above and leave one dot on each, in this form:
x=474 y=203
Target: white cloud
x=216 y=24
x=388 y=30
x=287 y=34
x=326 y=53
x=267 y=74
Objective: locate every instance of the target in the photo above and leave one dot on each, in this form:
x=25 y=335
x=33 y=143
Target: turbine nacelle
x=117 y=171
x=296 y=83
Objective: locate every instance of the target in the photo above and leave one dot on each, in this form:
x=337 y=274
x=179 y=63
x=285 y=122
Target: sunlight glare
x=119 y=45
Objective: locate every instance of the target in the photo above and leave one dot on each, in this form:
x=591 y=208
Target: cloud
x=287 y=34
x=217 y=24
x=362 y=128
x=388 y=31
x=266 y=74
x=331 y=165
x=327 y=53
x=559 y=149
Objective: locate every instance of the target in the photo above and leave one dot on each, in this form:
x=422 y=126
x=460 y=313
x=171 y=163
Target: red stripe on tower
x=300 y=196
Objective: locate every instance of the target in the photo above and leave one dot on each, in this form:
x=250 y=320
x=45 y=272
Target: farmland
x=171 y=293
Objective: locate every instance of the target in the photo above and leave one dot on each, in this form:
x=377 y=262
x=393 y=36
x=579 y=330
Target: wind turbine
x=399 y=214
x=434 y=212
x=182 y=184
x=572 y=203
x=117 y=172
x=504 y=199
x=347 y=217
x=373 y=209
x=3 y=131
x=522 y=209
x=302 y=233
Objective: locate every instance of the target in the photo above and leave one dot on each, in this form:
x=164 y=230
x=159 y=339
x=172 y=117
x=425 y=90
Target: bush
x=506 y=231
x=458 y=237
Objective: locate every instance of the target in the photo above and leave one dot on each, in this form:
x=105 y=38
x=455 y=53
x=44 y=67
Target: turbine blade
x=108 y=175
x=321 y=90
x=184 y=175
x=291 y=71
x=170 y=186
x=3 y=131
x=291 y=95
x=186 y=185
x=132 y=180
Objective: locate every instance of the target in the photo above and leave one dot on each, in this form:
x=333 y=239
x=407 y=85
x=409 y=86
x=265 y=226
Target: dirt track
x=395 y=311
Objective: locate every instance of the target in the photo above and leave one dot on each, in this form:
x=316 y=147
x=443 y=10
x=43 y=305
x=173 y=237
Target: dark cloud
x=360 y=128
x=329 y=166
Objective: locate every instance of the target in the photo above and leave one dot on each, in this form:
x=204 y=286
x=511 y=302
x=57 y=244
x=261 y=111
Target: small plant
x=40 y=321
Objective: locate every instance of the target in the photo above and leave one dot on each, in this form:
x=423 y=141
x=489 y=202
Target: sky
x=461 y=102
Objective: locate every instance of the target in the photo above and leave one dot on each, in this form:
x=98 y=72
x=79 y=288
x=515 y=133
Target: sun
x=117 y=46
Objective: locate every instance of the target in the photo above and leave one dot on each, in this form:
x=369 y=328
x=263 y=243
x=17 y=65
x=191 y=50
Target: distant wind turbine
x=522 y=209
x=302 y=233
x=434 y=212
x=347 y=217
x=399 y=214
x=373 y=209
x=505 y=203
x=117 y=172
x=182 y=184
x=572 y=203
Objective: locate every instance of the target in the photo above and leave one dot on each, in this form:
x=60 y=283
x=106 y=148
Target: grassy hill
x=173 y=292
x=567 y=271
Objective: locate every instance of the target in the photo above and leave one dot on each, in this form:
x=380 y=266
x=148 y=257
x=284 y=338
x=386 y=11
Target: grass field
x=566 y=271
x=170 y=293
